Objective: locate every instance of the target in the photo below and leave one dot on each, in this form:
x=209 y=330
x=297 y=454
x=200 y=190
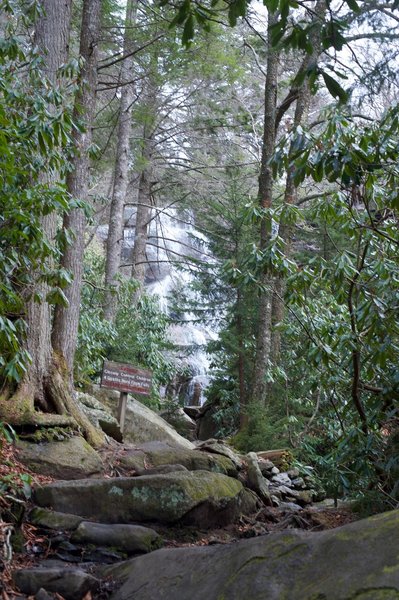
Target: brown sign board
x=126 y=378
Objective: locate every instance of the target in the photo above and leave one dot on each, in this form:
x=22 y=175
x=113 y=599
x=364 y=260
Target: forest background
x=277 y=139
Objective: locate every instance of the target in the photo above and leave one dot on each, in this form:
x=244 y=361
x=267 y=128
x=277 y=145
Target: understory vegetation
x=269 y=135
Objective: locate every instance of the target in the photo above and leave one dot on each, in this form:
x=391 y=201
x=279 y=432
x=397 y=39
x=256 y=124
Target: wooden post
x=122 y=410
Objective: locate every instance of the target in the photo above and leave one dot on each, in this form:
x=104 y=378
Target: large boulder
x=184 y=425
x=157 y=454
x=99 y=415
x=72 y=458
x=358 y=561
x=198 y=497
x=141 y=423
x=207 y=425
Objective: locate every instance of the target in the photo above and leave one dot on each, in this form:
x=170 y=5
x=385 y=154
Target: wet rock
x=73 y=458
x=131 y=539
x=53 y=520
x=70 y=583
x=164 y=498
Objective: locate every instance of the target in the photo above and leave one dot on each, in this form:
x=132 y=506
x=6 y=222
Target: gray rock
x=275 y=471
x=142 y=424
x=290 y=506
x=298 y=483
x=161 y=469
x=304 y=497
x=192 y=411
x=73 y=458
x=43 y=595
x=207 y=425
x=218 y=447
x=255 y=479
x=265 y=466
x=293 y=473
x=99 y=415
x=333 y=565
x=70 y=583
x=164 y=498
x=281 y=479
x=155 y=454
x=287 y=491
x=183 y=424
x=53 y=520
x=131 y=539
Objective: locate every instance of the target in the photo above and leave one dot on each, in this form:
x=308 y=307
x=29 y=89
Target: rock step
x=195 y=497
x=70 y=582
x=354 y=561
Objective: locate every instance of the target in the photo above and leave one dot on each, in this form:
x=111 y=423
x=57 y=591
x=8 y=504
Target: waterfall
x=173 y=249
x=174 y=239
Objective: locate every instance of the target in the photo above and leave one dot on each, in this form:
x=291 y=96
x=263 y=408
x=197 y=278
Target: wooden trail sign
x=126 y=379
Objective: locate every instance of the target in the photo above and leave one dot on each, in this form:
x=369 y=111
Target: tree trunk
x=47 y=383
x=265 y=195
x=241 y=362
x=66 y=319
x=285 y=231
x=271 y=307
x=121 y=173
x=144 y=201
x=52 y=40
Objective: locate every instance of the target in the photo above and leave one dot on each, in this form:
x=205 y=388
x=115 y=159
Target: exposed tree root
x=62 y=396
x=18 y=408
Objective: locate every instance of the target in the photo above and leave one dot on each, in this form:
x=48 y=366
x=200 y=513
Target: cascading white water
x=174 y=241
x=173 y=249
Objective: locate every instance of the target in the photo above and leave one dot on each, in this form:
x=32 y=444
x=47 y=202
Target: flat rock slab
x=71 y=583
x=200 y=497
x=157 y=454
x=358 y=561
x=131 y=539
x=70 y=459
x=51 y=519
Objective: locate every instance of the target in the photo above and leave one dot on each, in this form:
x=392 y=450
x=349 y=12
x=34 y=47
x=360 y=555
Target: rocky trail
x=164 y=519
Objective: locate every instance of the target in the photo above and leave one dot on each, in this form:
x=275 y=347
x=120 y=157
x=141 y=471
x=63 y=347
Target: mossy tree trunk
x=43 y=397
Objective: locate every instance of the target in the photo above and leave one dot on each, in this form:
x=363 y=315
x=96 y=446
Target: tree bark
x=271 y=306
x=52 y=40
x=47 y=382
x=265 y=195
x=144 y=200
x=285 y=231
x=66 y=319
x=121 y=172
